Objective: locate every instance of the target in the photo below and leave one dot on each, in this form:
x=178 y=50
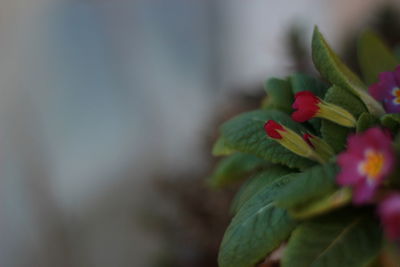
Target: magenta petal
x=363 y=192
x=376 y=138
x=389 y=211
x=357 y=144
x=390 y=204
x=390 y=106
x=383 y=90
x=393 y=229
x=348 y=158
x=377 y=91
x=349 y=176
x=397 y=75
x=387 y=80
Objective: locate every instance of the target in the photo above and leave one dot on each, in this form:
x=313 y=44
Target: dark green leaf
x=322 y=205
x=245 y=133
x=279 y=95
x=336 y=72
x=330 y=65
x=306 y=186
x=221 y=148
x=334 y=134
x=391 y=121
x=389 y=256
x=257 y=229
x=396 y=51
x=344 y=239
x=374 y=57
x=235 y=167
x=302 y=82
x=257 y=183
x=365 y=121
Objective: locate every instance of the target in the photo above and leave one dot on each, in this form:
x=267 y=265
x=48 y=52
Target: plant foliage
x=293 y=200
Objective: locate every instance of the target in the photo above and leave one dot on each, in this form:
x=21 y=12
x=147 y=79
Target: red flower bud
x=271 y=128
x=306 y=104
x=307 y=138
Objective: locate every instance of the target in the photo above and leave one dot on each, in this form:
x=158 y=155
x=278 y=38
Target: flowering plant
x=324 y=186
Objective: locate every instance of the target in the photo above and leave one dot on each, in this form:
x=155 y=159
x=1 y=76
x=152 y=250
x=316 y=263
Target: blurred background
x=108 y=110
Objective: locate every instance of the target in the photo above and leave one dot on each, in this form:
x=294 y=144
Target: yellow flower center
x=396 y=94
x=372 y=164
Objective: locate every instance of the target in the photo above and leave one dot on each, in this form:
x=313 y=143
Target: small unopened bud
x=320 y=146
x=290 y=140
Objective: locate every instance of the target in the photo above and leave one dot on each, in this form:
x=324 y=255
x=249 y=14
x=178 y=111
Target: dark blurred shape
x=385 y=21
x=193 y=233
x=297 y=49
x=192 y=237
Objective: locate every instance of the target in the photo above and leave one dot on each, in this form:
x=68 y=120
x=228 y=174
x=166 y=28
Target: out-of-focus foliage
x=302 y=203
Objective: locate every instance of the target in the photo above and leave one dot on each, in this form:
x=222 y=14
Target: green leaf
x=257 y=183
x=396 y=51
x=341 y=97
x=334 y=134
x=221 y=148
x=302 y=82
x=257 y=229
x=331 y=67
x=264 y=102
x=345 y=239
x=396 y=143
x=336 y=72
x=245 y=133
x=279 y=95
x=306 y=186
x=235 y=167
x=374 y=57
x=366 y=121
x=322 y=205
x=391 y=121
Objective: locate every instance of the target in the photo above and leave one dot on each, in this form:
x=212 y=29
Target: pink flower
x=369 y=158
x=389 y=211
x=387 y=90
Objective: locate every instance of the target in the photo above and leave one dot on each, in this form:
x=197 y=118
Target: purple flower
x=389 y=211
x=387 y=90
x=368 y=159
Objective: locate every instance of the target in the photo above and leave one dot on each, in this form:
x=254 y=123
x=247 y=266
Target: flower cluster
x=387 y=90
x=329 y=160
x=369 y=158
x=309 y=106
